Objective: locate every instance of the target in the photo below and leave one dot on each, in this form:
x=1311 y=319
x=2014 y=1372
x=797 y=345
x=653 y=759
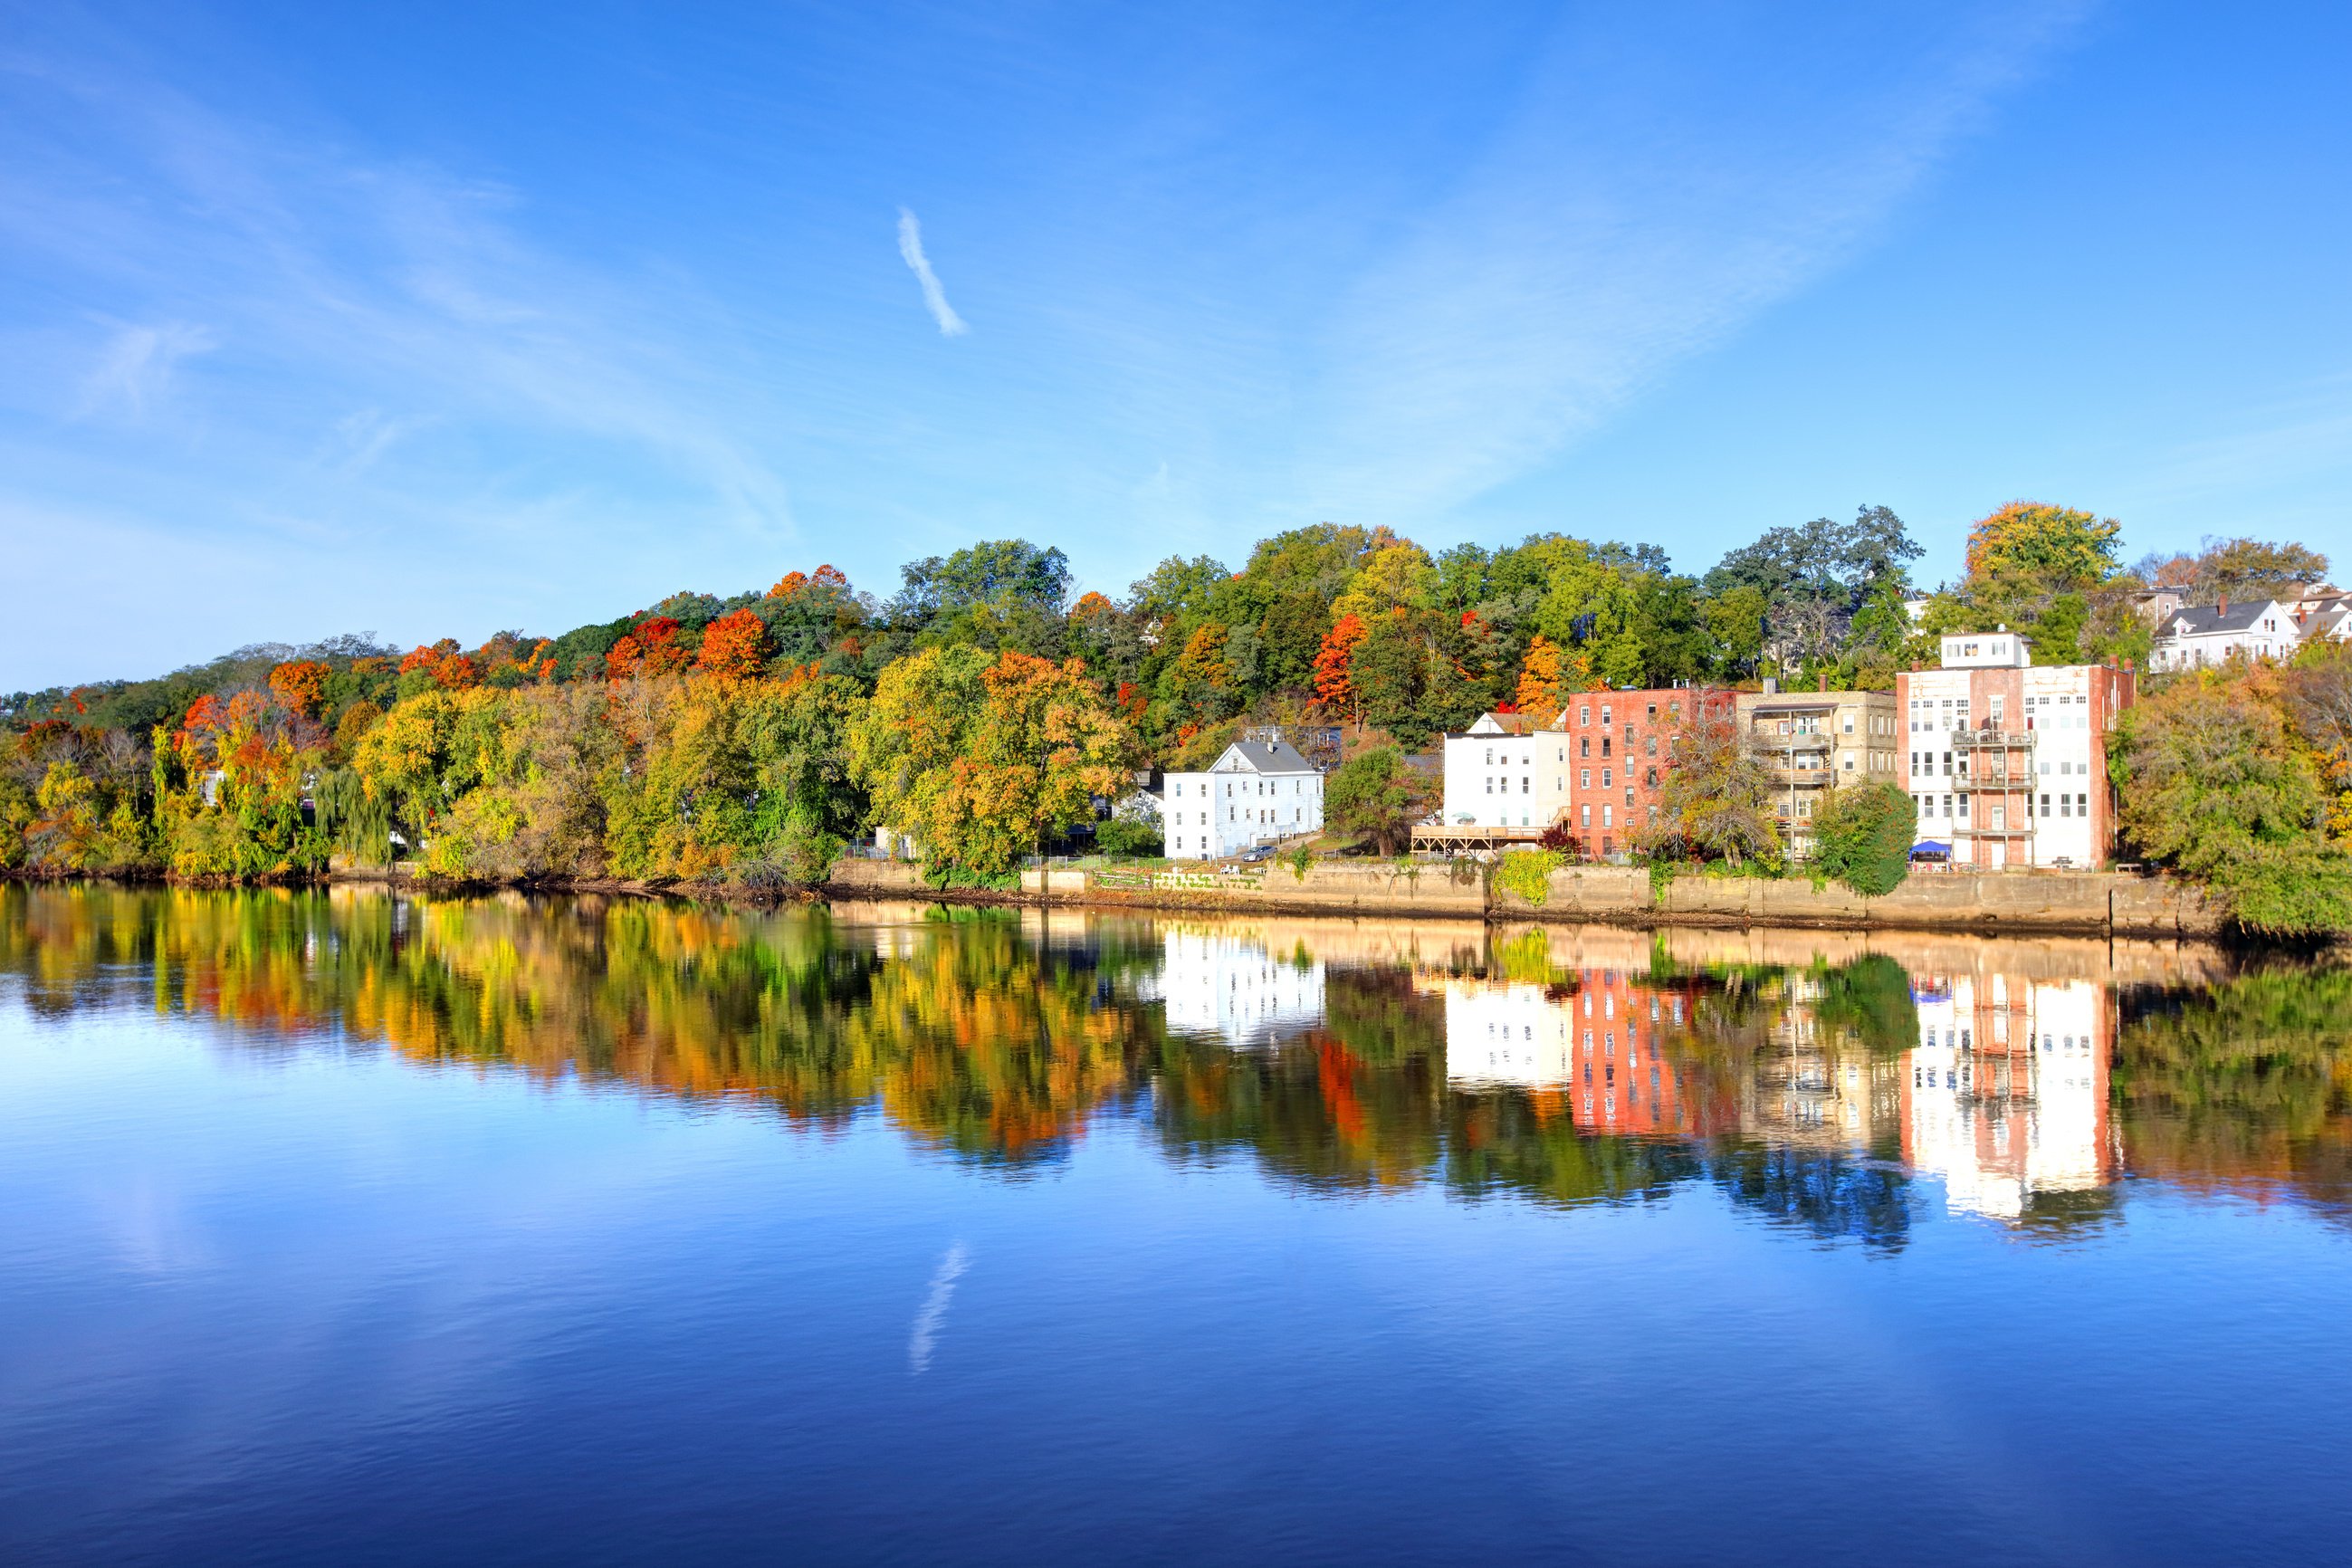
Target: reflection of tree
x=970 y=1034
x=2248 y=1082
x=1827 y=1194
x=1516 y=1141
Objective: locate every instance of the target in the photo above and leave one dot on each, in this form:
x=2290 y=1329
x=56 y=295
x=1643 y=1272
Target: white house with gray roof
x=2199 y=634
x=1259 y=791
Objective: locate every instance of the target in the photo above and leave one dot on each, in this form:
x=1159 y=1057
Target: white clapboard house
x=1259 y=791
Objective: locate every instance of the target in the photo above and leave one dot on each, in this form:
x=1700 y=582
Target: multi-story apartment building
x=1507 y=770
x=1815 y=742
x=2007 y=761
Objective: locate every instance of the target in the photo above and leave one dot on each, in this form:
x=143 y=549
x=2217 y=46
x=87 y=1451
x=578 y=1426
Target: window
x=1604 y=718
x=1584 y=778
x=1587 y=816
x=1490 y=784
x=1604 y=778
x=1604 y=745
x=2045 y=806
x=1526 y=785
x=1490 y=756
x=1608 y=816
x=1584 y=713
x=1584 y=745
x=1649 y=745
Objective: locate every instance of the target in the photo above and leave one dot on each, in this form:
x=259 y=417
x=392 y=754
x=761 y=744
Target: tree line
x=986 y=708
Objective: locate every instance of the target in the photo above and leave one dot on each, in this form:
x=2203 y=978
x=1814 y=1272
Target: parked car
x=1263 y=852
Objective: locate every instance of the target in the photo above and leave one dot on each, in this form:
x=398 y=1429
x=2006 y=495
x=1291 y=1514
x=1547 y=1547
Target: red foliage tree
x=735 y=645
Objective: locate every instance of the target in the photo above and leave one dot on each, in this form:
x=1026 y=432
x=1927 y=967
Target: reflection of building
x=1216 y=983
x=1807 y=1091
x=1600 y=1047
x=1515 y=1034
x=2006 y=1095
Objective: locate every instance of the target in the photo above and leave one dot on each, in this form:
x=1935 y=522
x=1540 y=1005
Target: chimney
x=1771 y=684
x=1825 y=683
x=2223 y=607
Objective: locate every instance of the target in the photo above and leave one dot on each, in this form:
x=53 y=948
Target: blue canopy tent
x=1929 y=849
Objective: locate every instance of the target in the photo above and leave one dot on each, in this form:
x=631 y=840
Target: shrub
x=1863 y=838
x=1127 y=838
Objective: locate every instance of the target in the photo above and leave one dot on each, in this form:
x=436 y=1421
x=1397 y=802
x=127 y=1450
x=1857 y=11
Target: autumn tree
x=980 y=758
x=1334 y=668
x=301 y=685
x=1540 y=690
x=1716 y=800
x=735 y=645
x=2214 y=784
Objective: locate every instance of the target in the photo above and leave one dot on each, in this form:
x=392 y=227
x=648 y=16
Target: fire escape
x=1994 y=768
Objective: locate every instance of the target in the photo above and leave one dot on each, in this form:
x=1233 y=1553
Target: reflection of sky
x=333 y=1304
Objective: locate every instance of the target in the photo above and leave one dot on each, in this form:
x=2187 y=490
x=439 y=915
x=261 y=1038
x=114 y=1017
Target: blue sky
x=439 y=319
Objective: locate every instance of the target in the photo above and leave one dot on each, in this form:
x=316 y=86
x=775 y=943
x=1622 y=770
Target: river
x=337 y=1226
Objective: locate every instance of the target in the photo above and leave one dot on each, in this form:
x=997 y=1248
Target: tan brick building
x=1815 y=742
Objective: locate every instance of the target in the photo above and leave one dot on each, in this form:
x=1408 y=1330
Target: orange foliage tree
x=1541 y=692
x=301 y=685
x=1335 y=681
x=735 y=645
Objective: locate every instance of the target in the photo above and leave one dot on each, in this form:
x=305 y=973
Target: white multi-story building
x=2194 y=635
x=1259 y=791
x=1217 y=983
x=2007 y=763
x=1507 y=770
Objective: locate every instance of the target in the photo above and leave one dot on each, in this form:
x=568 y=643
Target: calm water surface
x=342 y=1228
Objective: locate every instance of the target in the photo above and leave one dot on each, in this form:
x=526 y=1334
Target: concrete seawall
x=2079 y=903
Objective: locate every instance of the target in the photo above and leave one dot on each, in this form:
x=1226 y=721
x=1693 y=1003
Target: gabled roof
x=1264 y=757
x=1508 y=724
x=2207 y=620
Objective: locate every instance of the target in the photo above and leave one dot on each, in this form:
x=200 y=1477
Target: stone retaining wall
x=2077 y=902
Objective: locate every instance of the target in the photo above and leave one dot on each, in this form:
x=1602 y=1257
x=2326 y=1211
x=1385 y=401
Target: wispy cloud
x=925 y=1337
x=910 y=246
x=134 y=371
x=1653 y=196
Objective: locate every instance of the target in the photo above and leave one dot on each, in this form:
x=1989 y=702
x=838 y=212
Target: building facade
x=2195 y=636
x=2008 y=762
x=1257 y=791
x=1594 y=769
x=1507 y=770
x=1814 y=742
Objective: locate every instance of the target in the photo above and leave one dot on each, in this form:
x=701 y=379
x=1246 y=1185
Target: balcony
x=1987 y=739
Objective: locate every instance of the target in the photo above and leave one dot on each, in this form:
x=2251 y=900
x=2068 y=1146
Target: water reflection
x=1834 y=1085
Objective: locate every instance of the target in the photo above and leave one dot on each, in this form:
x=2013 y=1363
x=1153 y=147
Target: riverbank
x=2068 y=903
x=2054 y=903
